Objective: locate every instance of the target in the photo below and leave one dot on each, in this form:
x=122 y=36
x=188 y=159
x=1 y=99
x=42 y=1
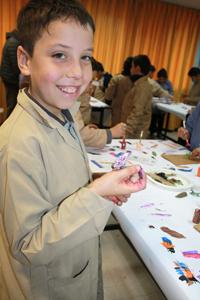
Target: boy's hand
x=183 y=133
x=119 y=184
x=118 y=130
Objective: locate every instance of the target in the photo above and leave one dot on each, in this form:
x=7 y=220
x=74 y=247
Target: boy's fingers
x=129 y=171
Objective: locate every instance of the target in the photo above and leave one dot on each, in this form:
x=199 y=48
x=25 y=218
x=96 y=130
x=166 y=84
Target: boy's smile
x=60 y=68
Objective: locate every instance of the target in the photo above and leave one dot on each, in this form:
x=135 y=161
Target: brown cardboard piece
x=180 y=159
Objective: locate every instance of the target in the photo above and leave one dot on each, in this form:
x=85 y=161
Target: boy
x=51 y=214
x=194 y=93
x=137 y=104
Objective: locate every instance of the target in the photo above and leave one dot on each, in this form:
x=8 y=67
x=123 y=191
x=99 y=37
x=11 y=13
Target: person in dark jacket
x=190 y=134
x=9 y=69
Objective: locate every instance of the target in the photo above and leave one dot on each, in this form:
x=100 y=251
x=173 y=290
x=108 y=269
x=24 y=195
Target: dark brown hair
x=36 y=16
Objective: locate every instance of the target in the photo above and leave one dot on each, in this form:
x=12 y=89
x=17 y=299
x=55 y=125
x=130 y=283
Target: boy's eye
x=86 y=58
x=59 y=55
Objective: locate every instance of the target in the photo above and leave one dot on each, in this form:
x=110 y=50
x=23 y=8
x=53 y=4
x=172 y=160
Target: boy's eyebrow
x=68 y=47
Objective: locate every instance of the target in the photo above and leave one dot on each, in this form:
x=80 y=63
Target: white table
x=146 y=211
x=99 y=106
x=178 y=109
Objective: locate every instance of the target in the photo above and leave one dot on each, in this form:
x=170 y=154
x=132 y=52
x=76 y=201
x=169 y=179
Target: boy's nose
x=74 y=70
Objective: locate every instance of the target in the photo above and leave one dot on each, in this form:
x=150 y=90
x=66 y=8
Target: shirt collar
x=66 y=112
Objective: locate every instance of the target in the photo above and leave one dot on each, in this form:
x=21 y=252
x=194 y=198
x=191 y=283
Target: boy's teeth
x=69 y=90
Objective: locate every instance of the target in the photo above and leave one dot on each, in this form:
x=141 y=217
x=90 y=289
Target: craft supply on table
x=121 y=161
x=192 y=254
x=180 y=159
x=96 y=163
x=181 y=195
x=196 y=216
x=167 y=243
x=197 y=227
x=185 y=273
x=141 y=135
x=123 y=143
x=184 y=168
x=169 y=179
x=172 y=232
x=139 y=143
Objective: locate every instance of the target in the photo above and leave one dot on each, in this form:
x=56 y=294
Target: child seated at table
x=93 y=136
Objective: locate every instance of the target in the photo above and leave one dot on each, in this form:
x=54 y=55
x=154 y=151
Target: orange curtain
x=167 y=33
x=8 y=13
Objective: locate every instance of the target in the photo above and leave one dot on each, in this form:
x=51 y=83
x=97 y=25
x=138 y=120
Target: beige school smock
x=85 y=107
x=157 y=90
x=194 y=94
x=49 y=220
x=117 y=89
x=92 y=137
x=137 y=107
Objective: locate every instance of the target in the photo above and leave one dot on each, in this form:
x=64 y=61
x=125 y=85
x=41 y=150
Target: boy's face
x=162 y=80
x=60 y=68
x=135 y=70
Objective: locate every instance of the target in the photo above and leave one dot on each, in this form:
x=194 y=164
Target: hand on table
x=118 y=130
x=195 y=154
x=117 y=186
x=183 y=133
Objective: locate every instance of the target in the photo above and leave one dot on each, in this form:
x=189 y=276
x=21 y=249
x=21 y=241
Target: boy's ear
x=23 y=59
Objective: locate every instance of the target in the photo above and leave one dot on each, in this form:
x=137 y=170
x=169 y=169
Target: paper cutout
x=147 y=205
x=167 y=243
x=197 y=227
x=181 y=195
x=151 y=226
x=172 y=232
x=96 y=163
x=192 y=254
x=196 y=216
x=161 y=215
x=185 y=273
x=121 y=160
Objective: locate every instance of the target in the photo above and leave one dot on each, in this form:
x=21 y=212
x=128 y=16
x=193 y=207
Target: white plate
x=186 y=184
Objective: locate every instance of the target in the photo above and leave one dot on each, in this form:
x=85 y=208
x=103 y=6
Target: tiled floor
x=125 y=277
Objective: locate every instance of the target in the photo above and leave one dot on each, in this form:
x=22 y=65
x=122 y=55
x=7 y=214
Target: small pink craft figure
x=123 y=144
